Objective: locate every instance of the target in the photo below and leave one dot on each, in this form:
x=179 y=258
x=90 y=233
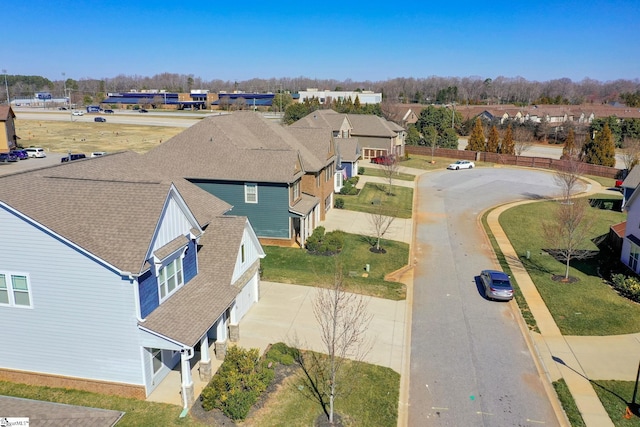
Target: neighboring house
x=282 y=180
x=8 y=137
x=630 y=254
x=376 y=135
x=349 y=154
x=114 y=275
x=630 y=184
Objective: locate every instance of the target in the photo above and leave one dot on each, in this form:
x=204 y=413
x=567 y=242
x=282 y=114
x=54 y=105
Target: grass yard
x=587 y=307
x=294 y=265
x=370 y=398
x=381 y=173
x=81 y=137
x=568 y=403
x=614 y=396
x=373 y=198
x=137 y=412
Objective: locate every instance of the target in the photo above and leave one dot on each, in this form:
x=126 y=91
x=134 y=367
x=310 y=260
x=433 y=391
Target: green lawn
x=381 y=173
x=587 y=307
x=373 y=198
x=137 y=412
x=294 y=265
x=370 y=398
x=615 y=395
x=568 y=403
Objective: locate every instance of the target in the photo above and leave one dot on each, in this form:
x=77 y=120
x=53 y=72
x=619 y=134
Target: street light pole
x=6 y=86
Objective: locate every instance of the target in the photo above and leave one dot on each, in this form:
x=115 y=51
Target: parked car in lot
x=142 y=110
x=62 y=108
x=7 y=157
x=461 y=164
x=100 y=119
x=107 y=111
x=36 y=152
x=98 y=153
x=73 y=157
x=78 y=113
x=497 y=285
x=383 y=160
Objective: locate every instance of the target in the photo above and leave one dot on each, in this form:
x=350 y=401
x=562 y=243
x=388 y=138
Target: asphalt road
x=470 y=364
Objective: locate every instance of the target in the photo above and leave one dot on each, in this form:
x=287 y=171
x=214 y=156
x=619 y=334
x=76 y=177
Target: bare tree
x=568 y=231
x=344 y=319
x=568 y=178
x=390 y=167
x=380 y=223
x=523 y=139
x=630 y=152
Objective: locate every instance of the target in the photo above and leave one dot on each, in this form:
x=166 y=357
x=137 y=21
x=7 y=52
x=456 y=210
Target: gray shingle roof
x=348 y=148
x=109 y=205
x=210 y=292
x=242 y=146
x=633 y=178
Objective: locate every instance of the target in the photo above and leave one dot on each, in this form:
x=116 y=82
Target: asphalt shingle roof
x=243 y=146
x=109 y=205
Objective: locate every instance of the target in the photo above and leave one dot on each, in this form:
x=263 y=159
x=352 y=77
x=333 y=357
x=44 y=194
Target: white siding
x=251 y=255
x=247 y=297
x=83 y=321
x=173 y=223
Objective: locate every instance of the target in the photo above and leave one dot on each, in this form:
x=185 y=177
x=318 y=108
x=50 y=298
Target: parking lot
x=32 y=163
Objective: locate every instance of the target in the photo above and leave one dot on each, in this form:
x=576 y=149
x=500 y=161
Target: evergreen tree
x=356 y=103
x=601 y=149
x=569 y=149
x=508 y=144
x=476 y=140
x=493 y=141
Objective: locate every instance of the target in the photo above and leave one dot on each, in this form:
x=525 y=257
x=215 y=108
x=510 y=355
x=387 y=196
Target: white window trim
x=11 y=291
x=180 y=284
x=247 y=192
x=152 y=352
x=296 y=190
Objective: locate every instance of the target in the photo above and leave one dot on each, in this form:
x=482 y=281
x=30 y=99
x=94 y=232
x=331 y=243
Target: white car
x=98 y=153
x=461 y=164
x=78 y=113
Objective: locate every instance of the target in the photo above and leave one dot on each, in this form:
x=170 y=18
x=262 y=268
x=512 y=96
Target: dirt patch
x=81 y=137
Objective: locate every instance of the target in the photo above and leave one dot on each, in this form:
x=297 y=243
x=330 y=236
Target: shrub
x=628 y=287
x=242 y=377
x=346 y=187
x=361 y=170
x=320 y=243
x=339 y=203
x=281 y=353
x=354 y=180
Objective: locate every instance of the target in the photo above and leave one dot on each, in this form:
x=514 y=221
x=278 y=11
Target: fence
x=512 y=160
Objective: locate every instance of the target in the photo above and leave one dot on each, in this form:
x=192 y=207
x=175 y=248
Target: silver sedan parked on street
x=497 y=285
x=461 y=164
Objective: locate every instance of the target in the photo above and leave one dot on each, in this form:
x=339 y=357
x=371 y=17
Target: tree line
x=430 y=90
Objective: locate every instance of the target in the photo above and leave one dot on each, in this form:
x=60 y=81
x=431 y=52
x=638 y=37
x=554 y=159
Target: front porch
x=170 y=389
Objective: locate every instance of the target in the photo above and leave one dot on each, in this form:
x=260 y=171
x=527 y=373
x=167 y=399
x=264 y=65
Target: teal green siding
x=269 y=217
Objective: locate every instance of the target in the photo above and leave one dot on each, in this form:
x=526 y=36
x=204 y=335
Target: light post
x=6 y=86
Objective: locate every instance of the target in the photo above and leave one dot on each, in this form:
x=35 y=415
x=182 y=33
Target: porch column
x=205 y=359
x=221 y=338
x=234 y=327
x=188 y=394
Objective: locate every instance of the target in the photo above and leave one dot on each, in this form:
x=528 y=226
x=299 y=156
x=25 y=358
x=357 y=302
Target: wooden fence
x=511 y=160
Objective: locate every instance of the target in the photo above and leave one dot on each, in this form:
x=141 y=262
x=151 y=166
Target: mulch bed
x=215 y=417
x=561 y=279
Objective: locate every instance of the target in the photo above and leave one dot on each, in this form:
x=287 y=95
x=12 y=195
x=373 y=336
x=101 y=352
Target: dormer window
x=170 y=278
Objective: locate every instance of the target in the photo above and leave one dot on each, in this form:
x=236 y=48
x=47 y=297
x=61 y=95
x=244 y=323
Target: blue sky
x=361 y=41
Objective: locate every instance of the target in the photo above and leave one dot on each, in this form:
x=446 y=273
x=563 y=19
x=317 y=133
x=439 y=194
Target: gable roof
x=5 y=112
x=349 y=149
x=109 y=206
x=322 y=119
x=243 y=146
x=632 y=179
x=209 y=293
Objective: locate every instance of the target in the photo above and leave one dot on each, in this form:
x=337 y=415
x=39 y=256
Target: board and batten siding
x=83 y=321
x=173 y=223
x=269 y=217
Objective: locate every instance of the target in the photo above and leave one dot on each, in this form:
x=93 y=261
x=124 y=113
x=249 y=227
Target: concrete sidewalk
x=576 y=359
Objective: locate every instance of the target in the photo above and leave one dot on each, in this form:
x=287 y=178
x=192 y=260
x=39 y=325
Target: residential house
x=283 y=181
x=8 y=137
x=113 y=275
x=376 y=136
x=630 y=254
x=629 y=185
